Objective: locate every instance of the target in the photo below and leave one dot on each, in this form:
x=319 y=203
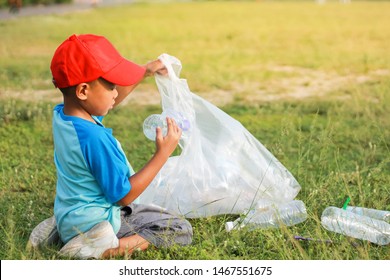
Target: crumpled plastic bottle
x=373 y=213
x=354 y=225
x=159 y=120
x=273 y=216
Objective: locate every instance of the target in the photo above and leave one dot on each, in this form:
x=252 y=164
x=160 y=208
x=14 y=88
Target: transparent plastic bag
x=222 y=168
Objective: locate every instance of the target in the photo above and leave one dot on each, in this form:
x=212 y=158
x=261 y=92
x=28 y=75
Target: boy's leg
x=91 y=244
x=158 y=226
x=44 y=234
x=141 y=225
x=101 y=242
x=127 y=245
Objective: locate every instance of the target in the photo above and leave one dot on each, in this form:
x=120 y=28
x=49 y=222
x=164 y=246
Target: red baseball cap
x=85 y=58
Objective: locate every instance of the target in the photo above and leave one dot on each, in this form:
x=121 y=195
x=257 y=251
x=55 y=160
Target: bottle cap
x=346 y=203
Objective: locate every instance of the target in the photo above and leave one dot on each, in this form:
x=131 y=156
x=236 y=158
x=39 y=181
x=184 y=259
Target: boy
x=93 y=209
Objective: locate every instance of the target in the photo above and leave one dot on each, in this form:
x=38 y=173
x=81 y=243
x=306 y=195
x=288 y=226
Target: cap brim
x=126 y=73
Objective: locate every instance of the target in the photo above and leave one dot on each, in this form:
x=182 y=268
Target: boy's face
x=101 y=97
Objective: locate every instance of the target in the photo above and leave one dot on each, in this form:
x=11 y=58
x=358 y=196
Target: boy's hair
x=72 y=89
x=85 y=58
x=68 y=90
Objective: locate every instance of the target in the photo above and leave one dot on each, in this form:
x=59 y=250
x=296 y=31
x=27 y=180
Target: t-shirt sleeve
x=108 y=165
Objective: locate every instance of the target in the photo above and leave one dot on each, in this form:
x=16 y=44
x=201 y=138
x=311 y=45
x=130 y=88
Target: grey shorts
x=158 y=226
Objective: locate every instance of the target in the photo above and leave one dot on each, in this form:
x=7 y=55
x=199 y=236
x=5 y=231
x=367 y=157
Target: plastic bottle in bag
x=373 y=213
x=159 y=120
x=287 y=214
x=355 y=225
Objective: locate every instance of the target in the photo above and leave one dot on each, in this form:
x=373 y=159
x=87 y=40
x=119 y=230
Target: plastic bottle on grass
x=287 y=214
x=355 y=225
x=373 y=213
x=159 y=120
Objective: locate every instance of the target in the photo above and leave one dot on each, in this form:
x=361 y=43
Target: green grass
x=335 y=145
x=220 y=43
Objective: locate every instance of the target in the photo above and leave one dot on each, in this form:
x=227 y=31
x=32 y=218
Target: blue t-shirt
x=92 y=174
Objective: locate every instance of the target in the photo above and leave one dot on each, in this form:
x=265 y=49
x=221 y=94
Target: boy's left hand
x=166 y=145
x=154 y=67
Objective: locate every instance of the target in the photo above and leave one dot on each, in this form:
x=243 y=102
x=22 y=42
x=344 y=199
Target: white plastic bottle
x=373 y=213
x=157 y=120
x=150 y=125
x=288 y=214
x=355 y=225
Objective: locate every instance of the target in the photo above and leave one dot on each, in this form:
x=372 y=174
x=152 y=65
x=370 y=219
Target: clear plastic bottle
x=373 y=213
x=157 y=120
x=288 y=214
x=355 y=225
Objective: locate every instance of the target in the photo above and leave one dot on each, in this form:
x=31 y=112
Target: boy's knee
x=182 y=233
x=187 y=233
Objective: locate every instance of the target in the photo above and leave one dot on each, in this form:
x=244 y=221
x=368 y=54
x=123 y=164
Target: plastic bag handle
x=172 y=64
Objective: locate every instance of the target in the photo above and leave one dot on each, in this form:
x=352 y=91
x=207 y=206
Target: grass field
x=310 y=81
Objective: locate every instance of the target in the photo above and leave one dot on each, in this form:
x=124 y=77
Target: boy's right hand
x=164 y=148
x=166 y=145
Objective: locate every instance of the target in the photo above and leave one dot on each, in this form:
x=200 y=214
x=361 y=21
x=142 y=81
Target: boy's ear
x=81 y=91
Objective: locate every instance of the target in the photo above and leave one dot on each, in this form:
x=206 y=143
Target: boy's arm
x=151 y=68
x=164 y=148
x=123 y=92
